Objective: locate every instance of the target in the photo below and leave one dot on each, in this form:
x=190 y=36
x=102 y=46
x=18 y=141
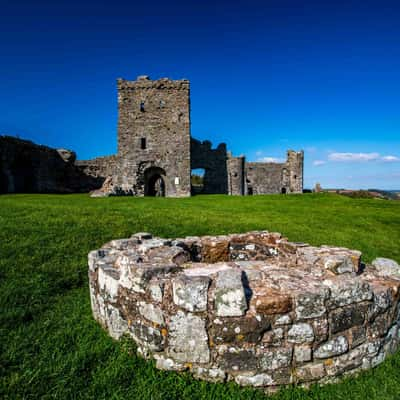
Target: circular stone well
x=250 y=307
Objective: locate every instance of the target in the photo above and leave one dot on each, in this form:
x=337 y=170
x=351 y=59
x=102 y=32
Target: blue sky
x=266 y=76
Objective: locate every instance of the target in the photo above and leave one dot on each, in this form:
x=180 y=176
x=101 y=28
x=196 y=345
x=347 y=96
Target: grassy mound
x=50 y=347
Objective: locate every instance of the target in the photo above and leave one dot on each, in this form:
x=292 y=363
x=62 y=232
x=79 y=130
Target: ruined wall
x=269 y=178
x=214 y=162
x=26 y=167
x=253 y=308
x=264 y=178
x=154 y=134
x=100 y=167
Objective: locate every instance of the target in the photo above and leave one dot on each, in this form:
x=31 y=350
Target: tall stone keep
x=154 y=137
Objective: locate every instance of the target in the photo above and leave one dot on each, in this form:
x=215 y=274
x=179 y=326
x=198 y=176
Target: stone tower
x=236 y=167
x=295 y=162
x=154 y=137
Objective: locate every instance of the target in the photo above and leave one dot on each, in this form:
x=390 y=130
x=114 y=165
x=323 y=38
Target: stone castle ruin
x=156 y=155
x=156 y=152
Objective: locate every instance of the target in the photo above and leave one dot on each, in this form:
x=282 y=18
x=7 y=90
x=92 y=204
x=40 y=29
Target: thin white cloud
x=358 y=157
x=259 y=153
x=271 y=160
x=390 y=159
x=361 y=157
x=318 y=163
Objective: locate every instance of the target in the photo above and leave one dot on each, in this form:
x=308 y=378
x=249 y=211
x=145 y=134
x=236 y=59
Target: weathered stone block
x=108 y=280
x=382 y=300
x=386 y=267
x=154 y=243
x=97 y=257
x=276 y=359
x=311 y=305
x=239 y=360
x=136 y=276
x=392 y=339
x=273 y=302
x=151 y=312
x=156 y=291
x=230 y=298
x=117 y=326
x=248 y=328
x=282 y=320
x=209 y=374
x=255 y=380
x=168 y=364
x=188 y=339
x=310 y=372
x=347 y=291
x=333 y=347
x=147 y=336
x=167 y=255
x=190 y=293
x=321 y=329
x=340 y=264
x=346 y=317
x=301 y=333
x=214 y=250
x=142 y=235
x=379 y=326
x=122 y=244
x=302 y=354
x=345 y=362
x=357 y=335
x=273 y=337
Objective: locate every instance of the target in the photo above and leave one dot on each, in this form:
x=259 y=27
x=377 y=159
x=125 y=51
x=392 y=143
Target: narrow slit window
x=143 y=143
x=142 y=106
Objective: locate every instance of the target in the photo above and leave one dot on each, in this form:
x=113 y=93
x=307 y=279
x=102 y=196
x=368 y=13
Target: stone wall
x=99 y=167
x=253 y=308
x=264 y=178
x=269 y=178
x=26 y=167
x=214 y=162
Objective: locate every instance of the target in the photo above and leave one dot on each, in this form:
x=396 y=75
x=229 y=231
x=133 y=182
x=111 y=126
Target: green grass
x=50 y=347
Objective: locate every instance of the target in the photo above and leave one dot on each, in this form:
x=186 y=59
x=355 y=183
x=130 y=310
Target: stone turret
x=236 y=175
x=295 y=160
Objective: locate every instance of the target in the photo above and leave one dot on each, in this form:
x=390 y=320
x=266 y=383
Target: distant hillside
x=390 y=194
x=368 y=194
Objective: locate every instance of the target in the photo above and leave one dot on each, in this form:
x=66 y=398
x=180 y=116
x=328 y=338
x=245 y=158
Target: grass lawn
x=50 y=347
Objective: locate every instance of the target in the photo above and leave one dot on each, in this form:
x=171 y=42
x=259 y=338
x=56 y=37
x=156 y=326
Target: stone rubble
x=253 y=307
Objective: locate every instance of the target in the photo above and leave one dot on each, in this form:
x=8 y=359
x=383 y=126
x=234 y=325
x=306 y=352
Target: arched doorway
x=197 y=180
x=154 y=182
